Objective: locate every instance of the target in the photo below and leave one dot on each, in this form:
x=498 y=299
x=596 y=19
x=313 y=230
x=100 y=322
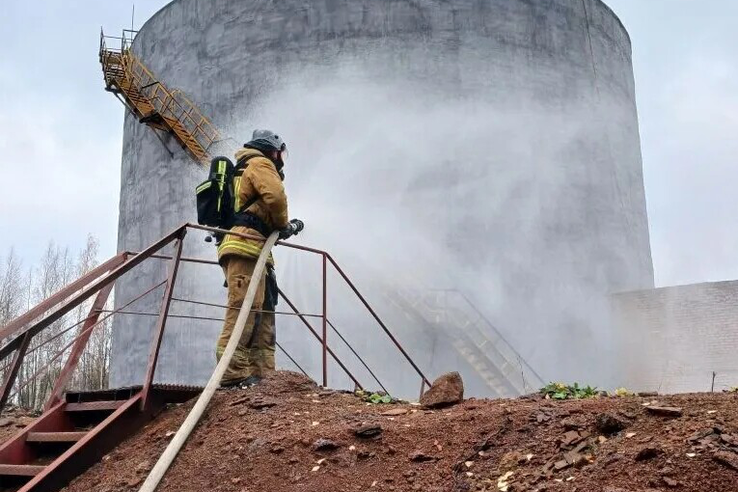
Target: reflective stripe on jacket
x=260 y=178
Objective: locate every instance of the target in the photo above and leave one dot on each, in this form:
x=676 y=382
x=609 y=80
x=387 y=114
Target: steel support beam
x=325 y=322
x=83 y=337
x=162 y=320
x=81 y=297
x=377 y=319
x=13 y=369
x=56 y=298
x=315 y=334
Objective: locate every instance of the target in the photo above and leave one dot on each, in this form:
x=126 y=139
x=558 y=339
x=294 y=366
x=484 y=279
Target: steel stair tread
x=41 y=437
x=20 y=470
x=92 y=406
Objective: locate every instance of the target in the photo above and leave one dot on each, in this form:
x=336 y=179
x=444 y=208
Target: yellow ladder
x=152 y=102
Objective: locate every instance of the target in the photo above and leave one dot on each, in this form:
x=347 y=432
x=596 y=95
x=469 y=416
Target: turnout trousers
x=254 y=355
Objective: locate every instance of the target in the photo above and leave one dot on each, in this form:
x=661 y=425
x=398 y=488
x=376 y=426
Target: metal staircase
x=152 y=102
x=77 y=432
x=506 y=373
x=77 y=428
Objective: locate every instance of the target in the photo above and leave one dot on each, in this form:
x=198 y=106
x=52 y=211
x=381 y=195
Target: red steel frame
x=327 y=258
x=101 y=280
x=325 y=321
x=79 y=346
x=162 y=320
x=55 y=299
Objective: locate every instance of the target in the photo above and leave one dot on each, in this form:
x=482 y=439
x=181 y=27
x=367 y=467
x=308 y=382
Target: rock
x=704 y=433
x=571 y=424
x=670 y=482
x=367 y=431
x=571 y=438
x=648 y=453
x=511 y=459
x=730 y=439
x=629 y=414
x=445 y=391
x=239 y=401
x=276 y=449
x=420 y=457
x=575 y=459
x=395 y=412
x=325 y=445
x=257 y=443
x=727 y=458
x=608 y=424
x=611 y=460
x=260 y=404
x=5 y=422
x=664 y=411
x=648 y=394
x=133 y=482
x=143 y=467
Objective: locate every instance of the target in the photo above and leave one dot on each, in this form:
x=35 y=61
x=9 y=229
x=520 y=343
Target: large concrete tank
x=483 y=147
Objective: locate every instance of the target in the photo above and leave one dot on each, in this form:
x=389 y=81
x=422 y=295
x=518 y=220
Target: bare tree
x=41 y=366
x=12 y=292
x=92 y=372
x=20 y=290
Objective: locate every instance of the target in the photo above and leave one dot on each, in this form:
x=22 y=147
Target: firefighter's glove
x=292 y=229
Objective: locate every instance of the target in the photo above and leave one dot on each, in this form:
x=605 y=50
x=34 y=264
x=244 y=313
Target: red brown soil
x=239 y=447
x=12 y=419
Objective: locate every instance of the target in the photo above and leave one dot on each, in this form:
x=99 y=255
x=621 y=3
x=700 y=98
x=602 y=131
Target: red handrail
x=101 y=280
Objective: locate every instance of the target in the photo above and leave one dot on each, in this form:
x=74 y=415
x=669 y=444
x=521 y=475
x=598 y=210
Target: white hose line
x=169 y=454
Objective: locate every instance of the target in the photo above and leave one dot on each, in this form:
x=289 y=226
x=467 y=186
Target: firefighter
x=261 y=208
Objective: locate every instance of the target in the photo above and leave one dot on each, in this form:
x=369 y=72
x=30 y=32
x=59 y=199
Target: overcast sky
x=60 y=133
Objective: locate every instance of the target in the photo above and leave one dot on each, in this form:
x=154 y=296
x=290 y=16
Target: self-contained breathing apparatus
x=216 y=199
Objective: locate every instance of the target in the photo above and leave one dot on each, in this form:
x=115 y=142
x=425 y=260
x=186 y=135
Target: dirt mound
x=287 y=434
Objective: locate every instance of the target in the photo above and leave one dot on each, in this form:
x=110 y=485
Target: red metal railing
x=100 y=281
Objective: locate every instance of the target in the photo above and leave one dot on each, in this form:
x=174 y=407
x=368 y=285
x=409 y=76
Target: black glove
x=292 y=229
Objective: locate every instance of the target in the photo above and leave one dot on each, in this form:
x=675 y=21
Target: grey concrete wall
x=489 y=146
x=674 y=338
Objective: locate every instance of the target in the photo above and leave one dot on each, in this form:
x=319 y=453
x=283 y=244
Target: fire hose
x=175 y=445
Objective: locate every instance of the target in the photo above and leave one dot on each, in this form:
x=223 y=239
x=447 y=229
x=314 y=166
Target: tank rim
x=601 y=2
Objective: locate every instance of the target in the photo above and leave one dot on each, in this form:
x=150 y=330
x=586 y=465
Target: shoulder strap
x=240 y=168
x=241 y=163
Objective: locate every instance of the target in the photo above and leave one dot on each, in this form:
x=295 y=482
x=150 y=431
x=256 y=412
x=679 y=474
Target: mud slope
x=290 y=435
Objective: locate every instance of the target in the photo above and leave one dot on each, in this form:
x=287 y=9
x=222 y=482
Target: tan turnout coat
x=260 y=177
